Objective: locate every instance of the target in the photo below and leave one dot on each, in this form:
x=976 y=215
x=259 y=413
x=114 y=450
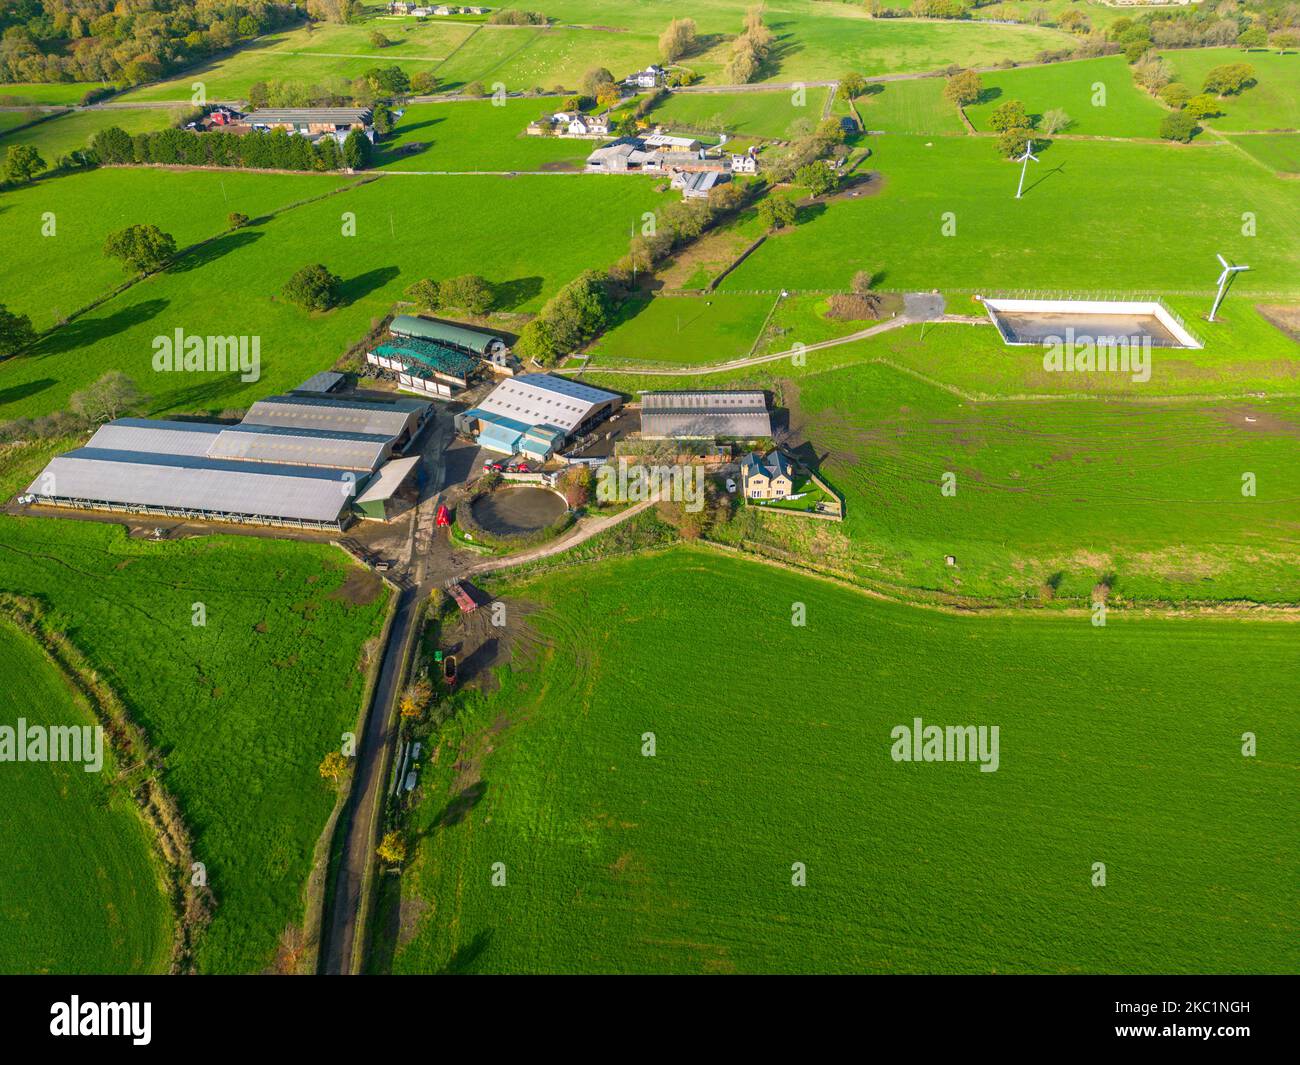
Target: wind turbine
x=1024 y=165
x=1228 y=271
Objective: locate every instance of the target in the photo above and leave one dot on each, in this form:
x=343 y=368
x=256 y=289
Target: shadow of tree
x=212 y=251
x=461 y=805
x=28 y=388
x=87 y=330
x=363 y=285
x=466 y=957
x=510 y=294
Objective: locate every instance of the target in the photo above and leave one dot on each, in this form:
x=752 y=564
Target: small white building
x=744 y=164
x=650 y=78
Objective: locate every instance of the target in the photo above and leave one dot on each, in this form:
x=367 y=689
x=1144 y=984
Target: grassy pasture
x=478 y=135
x=915 y=106
x=243 y=708
x=1057 y=492
x=1272 y=104
x=685 y=330
x=745 y=114
x=81 y=892
x=1079 y=227
x=51 y=92
x=1277 y=151
x=519 y=233
x=682 y=862
x=74 y=131
x=1124 y=111
x=314 y=56
x=48 y=277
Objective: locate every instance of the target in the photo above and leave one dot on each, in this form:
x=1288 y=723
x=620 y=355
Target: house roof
x=774 y=464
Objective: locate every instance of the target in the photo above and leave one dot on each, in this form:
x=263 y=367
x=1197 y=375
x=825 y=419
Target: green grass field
x=1074 y=230
x=747 y=114
x=81 y=892
x=48 y=277
x=243 y=708
x=48 y=92
x=1097 y=94
x=1277 y=151
x=474 y=135
x=318 y=56
x=684 y=330
x=1272 y=104
x=682 y=862
x=1055 y=493
x=74 y=131
x=915 y=106
x=519 y=233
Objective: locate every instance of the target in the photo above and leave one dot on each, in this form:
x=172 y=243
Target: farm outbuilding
x=704 y=415
x=536 y=413
x=303 y=471
x=457 y=336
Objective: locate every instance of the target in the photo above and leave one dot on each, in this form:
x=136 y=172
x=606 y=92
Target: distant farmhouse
x=681 y=157
x=650 y=78
x=306 y=460
x=703 y=415
x=536 y=414
x=570 y=124
x=400 y=7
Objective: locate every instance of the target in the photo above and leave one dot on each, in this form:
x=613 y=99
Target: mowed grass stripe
x=772 y=747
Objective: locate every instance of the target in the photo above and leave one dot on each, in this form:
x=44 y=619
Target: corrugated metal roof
x=269 y=115
x=535 y=399
x=188 y=483
x=158 y=437
x=704 y=415
x=460 y=336
x=308 y=447
x=321 y=382
x=388 y=480
x=354 y=416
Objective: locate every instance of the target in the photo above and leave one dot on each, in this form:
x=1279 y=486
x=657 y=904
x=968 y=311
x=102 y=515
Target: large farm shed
x=423 y=366
x=457 y=336
x=252 y=473
x=535 y=413
x=704 y=415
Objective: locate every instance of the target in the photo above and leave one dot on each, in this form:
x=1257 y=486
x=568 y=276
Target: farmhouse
x=535 y=414
x=650 y=78
x=769 y=476
x=570 y=124
x=294 y=460
x=744 y=164
x=337 y=122
x=702 y=415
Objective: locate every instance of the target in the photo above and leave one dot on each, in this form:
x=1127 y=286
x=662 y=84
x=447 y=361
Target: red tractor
x=493 y=466
x=442 y=518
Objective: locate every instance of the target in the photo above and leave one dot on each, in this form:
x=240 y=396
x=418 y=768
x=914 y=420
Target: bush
x=1010 y=115
x=141 y=248
x=1013 y=142
x=236 y=220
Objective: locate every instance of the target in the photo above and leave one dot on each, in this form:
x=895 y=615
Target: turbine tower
x=1024 y=165
x=1228 y=271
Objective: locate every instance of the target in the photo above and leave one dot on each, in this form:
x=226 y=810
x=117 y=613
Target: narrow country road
x=755 y=360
